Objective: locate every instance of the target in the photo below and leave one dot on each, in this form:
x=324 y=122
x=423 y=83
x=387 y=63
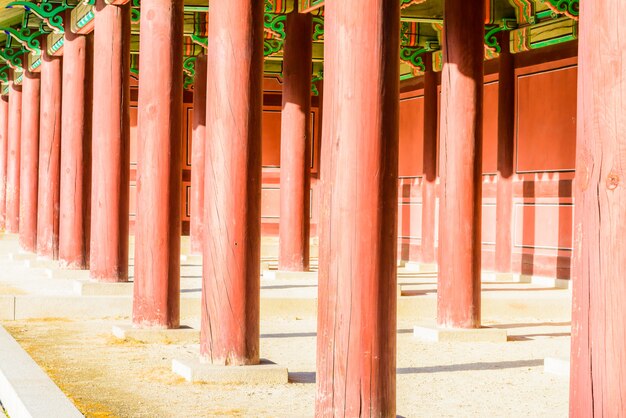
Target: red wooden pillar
x=29 y=166
x=108 y=260
x=506 y=145
x=4 y=140
x=157 y=233
x=76 y=151
x=198 y=144
x=598 y=356
x=49 y=156
x=458 y=295
x=232 y=200
x=13 y=158
x=295 y=147
x=429 y=179
x=356 y=345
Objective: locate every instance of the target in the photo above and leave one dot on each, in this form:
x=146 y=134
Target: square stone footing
x=182 y=335
x=556 y=365
x=42 y=263
x=289 y=275
x=458 y=335
x=86 y=287
x=420 y=267
x=59 y=273
x=492 y=276
x=266 y=373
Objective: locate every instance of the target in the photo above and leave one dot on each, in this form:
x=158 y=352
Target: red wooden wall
x=545 y=138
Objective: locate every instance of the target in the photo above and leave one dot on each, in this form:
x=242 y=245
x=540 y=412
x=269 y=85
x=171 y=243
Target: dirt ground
x=108 y=378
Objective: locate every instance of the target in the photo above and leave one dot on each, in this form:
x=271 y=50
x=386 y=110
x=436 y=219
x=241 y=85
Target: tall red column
x=295 y=147
x=198 y=144
x=108 y=252
x=506 y=146
x=458 y=295
x=29 y=166
x=232 y=200
x=13 y=158
x=598 y=355
x=77 y=105
x=157 y=233
x=429 y=179
x=4 y=141
x=356 y=345
x=49 y=157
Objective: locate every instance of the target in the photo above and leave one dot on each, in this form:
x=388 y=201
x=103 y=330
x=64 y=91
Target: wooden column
x=232 y=200
x=49 y=156
x=157 y=232
x=76 y=151
x=429 y=179
x=356 y=338
x=4 y=142
x=598 y=355
x=198 y=144
x=506 y=147
x=460 y=166
x=108 y=260
x=13 y=158
x=29 y=165
x=295 y=146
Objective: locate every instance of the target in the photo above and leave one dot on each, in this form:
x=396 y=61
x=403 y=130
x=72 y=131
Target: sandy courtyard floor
x=108 y=378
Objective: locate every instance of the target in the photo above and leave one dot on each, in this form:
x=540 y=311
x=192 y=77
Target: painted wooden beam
x=156 y=296
x=356 y=337
x=295 y=145
x=460 y=167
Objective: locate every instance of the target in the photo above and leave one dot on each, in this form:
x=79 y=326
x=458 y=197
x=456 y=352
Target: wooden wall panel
x=411 y=137
x=271 y=137
x=546 y=120
x=543 y=226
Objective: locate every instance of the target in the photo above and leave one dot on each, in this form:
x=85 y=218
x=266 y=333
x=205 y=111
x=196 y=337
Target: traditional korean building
x=433 y=132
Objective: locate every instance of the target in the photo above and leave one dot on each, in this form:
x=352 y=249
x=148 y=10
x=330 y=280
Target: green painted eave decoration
x=570 y=8
x=413 y=56
x=318 y=29
x=55 y=45
x=48 y=12
x=200 y=40
x=491 y=40
x=189 y=65
x=524 y=10
x=5 y=89
x=12 y=56
x=84 y=20
x=26 y=37
x=4 y=74
x=279 y=6
x=135 y=13
x=272 y=47
x=34 y=62
x=274 y=26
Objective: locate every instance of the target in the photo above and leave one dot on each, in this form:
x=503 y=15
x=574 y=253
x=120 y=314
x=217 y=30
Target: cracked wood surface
x=232 y=201
x=156 y=297
x=29 y=165
x=460 y=166
x=598 y=355
x=356 y=345
x=111 y=144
